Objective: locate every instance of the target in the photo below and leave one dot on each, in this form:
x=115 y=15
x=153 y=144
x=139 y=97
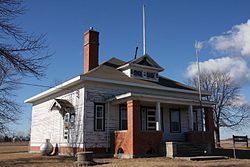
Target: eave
x=82 y=78
x=157 y=98
x=55 y=89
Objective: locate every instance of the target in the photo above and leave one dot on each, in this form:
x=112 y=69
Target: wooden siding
x=48 y=124
x=167 y=135
x=100 y=95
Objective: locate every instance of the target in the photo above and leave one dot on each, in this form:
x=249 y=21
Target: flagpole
x=197 y=49
x=144 y=29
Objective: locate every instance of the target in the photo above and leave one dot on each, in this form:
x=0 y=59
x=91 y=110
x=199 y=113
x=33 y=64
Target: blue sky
x=172 y=28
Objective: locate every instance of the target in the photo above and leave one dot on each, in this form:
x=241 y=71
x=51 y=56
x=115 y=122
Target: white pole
x=191 y=119
x=158 y=116
x=144 y=30
x=197 y=49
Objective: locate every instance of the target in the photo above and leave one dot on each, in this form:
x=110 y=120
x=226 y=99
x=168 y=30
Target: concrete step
x=185 y=149
x=202 y=158
x=191 y=149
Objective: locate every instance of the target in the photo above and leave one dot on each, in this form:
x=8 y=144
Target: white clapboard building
x=121 y=108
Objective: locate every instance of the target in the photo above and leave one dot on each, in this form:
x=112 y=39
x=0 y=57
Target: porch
x=147 y=122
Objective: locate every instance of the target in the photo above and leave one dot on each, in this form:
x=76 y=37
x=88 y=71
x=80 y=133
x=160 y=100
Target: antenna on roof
x=136 y=49
x=144 y=29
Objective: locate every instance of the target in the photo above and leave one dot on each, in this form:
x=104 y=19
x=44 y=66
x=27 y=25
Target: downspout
x=61 y=131
x=107 y=146
x=83 y=121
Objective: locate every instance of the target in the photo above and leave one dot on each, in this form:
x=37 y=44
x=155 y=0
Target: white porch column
x=191 y=118
x=158 y=116
x=203 y=123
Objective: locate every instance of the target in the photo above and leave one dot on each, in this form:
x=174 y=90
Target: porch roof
x=61 y=104
x=157 y=98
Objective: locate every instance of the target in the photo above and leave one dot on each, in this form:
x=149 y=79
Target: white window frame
x=171 y=121
x=123 y=108
x=102 y=117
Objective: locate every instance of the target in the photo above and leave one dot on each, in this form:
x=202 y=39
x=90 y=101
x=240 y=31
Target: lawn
x=17 y=156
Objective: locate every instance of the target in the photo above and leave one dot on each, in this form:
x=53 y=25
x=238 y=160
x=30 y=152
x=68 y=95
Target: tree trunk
x=217 y=136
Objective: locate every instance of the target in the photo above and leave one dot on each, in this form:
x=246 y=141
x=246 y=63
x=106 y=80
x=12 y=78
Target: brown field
x=229 y=144
x=16 y=155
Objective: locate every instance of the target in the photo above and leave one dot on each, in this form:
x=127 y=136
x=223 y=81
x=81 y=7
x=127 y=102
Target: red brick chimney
x=91 y=45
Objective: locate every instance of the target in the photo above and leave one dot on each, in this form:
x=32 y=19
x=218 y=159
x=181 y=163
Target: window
x=131 y=71
x=151 y=125
x=162 y=119
x=143 y=118
x=148 y=118
x=123 y=118
x=138 y=73
x=156 y=75
x=66 y=134
x=151 y=75
x=175 y=123
x=99 y=117
x=195 y=120
x=72 y=120
x=68 y=124
x=66 y=117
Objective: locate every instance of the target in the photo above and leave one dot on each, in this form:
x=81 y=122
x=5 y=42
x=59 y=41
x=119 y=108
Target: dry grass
x=229 y=144
x=31 y=160
x=12 y=149
x=8 y=147
x=17 y=156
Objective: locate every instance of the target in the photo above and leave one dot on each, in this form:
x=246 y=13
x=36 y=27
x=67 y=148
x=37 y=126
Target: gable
x=61 y=104
x=146 y=61
x=144 y=68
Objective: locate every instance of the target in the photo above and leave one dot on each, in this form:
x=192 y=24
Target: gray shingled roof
x=108 y=70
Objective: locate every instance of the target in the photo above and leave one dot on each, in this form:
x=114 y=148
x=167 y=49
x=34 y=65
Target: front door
x=148 y=118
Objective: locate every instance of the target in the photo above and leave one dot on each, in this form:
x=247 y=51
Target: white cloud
x=236 y=40
x=235 y=66
x=240 y=101
x=236 y=44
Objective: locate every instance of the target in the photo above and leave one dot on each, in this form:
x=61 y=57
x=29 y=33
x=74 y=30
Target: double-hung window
x=99 y=115
x=175 y=121
x=123 y=117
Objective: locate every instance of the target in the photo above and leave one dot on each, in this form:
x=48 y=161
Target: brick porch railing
x=145 y=143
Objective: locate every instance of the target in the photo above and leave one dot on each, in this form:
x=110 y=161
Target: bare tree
x=229 y=111
x=21 y=54
x=9 y=109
